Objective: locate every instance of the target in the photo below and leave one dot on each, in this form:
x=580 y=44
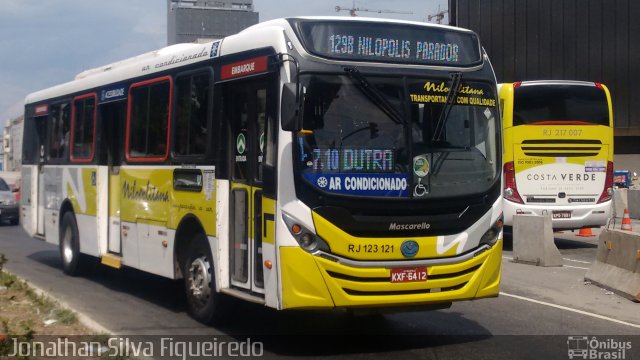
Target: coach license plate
x=562 y=214
x=408 y=275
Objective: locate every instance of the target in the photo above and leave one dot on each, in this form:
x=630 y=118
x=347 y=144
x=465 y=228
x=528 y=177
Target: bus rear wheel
x=204 y=304
x=70 y=245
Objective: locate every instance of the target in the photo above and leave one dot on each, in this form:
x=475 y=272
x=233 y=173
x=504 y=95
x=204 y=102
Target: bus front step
x=111 y=260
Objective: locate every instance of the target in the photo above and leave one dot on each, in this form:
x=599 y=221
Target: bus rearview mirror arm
x=291 y=104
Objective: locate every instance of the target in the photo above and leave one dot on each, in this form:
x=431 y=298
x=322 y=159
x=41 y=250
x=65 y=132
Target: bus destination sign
x=396 y=43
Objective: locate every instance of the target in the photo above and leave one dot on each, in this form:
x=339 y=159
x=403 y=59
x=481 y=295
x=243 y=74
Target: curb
x=82 y=318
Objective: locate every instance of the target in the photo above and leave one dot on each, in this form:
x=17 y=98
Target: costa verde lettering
x=564 y=177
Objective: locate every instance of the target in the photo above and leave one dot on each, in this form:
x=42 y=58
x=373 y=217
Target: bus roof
x=268 y=33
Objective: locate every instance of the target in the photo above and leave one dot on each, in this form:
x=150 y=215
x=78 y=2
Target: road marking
x=578 y=261
x=575 y=267
x=569 y=266
x=581 y=312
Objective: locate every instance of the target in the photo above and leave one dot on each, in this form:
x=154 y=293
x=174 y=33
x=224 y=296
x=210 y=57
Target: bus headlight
x=307 y=240
x=491 y=236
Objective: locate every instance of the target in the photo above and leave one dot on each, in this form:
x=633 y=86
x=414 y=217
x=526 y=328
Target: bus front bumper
x=310 y=281
x=581 y=215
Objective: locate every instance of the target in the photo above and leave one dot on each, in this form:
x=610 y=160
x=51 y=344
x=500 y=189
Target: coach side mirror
x=290 y=107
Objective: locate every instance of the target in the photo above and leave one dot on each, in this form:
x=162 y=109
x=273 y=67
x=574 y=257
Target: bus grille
x=561 y=148
x=437 y=282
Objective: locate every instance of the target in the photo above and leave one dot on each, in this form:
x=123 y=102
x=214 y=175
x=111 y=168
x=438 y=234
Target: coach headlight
x=307 y=240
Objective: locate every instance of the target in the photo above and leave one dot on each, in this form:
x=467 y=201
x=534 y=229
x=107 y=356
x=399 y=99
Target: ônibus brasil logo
x=583 y=347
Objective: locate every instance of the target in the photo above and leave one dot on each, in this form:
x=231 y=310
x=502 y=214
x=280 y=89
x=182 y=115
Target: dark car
x=9 y=208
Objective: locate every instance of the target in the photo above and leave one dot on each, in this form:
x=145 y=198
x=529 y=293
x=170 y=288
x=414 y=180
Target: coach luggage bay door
x=246 y=104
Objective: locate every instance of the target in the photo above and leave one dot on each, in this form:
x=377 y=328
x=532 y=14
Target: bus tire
x=204 y=304
x=70 y=245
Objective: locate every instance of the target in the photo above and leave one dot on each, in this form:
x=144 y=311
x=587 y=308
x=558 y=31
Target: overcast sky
x=44 y=43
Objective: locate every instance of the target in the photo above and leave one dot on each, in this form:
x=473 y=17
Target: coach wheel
x=70 y=245
x=203 y=302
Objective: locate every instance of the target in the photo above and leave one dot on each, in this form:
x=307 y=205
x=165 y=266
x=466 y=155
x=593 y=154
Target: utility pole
x=353 y=9
x=439 y=16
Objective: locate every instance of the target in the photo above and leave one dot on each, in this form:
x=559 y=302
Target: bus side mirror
x=290 y=108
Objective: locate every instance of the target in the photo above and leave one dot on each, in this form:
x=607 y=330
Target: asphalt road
x=538 y=309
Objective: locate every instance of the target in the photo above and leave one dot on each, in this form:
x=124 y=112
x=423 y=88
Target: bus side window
x=34 y=139
x=148 y=122
x=112 y=122
x=59 y=132
x=192 y=114
x=83 y=144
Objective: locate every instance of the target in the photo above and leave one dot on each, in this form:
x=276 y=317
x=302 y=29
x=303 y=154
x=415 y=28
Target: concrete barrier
x=533 y=241
x=620 y=202
x=633 y=201
x=617 y=265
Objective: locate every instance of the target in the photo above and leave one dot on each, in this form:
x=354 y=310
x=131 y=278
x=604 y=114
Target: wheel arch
x=189 y=226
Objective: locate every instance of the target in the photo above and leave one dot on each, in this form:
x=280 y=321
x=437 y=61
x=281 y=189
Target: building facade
x=12 y=145
x=589 y=40
x=205 y=20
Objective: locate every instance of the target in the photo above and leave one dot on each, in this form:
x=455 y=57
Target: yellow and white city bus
x=558 y=143
x=302 y=163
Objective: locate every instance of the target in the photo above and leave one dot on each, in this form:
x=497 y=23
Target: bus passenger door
x=246 y=115
x=41 y=128
x=41 y=201
x=112 y=121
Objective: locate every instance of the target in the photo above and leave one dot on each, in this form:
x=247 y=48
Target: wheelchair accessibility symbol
x=419 y=190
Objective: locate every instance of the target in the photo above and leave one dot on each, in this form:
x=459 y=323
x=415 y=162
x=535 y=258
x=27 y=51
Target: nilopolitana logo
x=583 y=347
x=409 y=248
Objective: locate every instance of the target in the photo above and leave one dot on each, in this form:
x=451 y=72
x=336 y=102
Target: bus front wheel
x=199 y=280
x=70 y=245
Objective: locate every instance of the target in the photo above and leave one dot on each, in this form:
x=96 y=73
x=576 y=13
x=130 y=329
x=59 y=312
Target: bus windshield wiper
x=454 y=87
x=374 y=94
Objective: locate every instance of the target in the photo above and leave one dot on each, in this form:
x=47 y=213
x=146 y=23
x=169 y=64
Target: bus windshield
x=560 y=105
x=381 y=141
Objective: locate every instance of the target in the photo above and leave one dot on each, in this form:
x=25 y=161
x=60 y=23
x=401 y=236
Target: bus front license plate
x=562 y=214
x=408 y=275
